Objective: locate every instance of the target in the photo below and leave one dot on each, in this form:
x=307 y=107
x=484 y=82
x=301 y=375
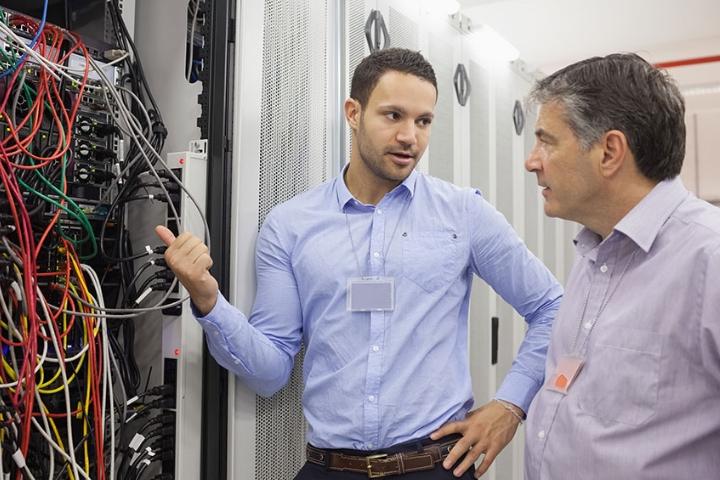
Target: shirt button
x=379 y=211
x=541 y=434
x=375 y=348
x=371 y=398
x=603 y=268
x=376 y=254
x=588 y=325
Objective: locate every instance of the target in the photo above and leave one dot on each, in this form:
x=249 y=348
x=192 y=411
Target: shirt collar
x=344 y=196
x=642 y=224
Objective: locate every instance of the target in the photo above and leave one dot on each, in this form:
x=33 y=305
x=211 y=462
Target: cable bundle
x=67 y=359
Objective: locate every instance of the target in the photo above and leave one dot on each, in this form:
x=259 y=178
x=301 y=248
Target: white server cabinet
x=286 y=140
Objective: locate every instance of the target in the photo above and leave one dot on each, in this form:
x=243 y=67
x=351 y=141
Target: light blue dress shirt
x=376 y=379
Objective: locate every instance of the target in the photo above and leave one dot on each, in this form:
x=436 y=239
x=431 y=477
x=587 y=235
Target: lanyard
x=386 y=248
x=604 y=303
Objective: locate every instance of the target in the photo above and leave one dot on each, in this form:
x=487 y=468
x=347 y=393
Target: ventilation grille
x=532 y=194
x=356 y=50
x=293 y=150
x=441 y=140
x=479 y=128
x=293 y=158
x=403 y=31
x=504 y=132
x=355 y=36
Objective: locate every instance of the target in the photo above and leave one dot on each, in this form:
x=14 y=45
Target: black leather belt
x=382 y=465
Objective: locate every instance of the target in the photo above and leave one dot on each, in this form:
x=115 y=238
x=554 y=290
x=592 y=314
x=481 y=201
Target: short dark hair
x=623 y=92
x=371 y=68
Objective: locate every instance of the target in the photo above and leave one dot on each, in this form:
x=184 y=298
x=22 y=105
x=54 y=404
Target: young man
x=372 y=272
x=633 y=373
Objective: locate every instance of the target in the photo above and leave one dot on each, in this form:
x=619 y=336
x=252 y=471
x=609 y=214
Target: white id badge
x=371 y=294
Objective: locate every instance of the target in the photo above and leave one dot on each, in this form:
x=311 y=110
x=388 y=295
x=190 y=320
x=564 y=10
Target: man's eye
x=392 y=115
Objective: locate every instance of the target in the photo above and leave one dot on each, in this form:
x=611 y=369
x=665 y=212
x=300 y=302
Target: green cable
x=78 y=214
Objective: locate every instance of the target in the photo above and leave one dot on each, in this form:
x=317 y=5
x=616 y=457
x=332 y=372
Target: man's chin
x=400 y=174
x=550 y=211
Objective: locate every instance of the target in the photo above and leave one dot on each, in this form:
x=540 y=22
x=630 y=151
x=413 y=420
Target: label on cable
x=18 y=291
x=136 y=441
x=19 y=458
x=148 y=249
x=143 y=295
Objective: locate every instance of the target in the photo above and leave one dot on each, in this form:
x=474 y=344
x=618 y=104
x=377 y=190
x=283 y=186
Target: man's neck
x=364 y=185
x=615 y=205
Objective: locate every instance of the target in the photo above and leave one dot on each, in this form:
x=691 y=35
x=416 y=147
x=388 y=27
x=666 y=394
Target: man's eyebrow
x=401 y=110
x=539 y=132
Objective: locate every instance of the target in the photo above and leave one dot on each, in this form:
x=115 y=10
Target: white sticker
x=136 y=441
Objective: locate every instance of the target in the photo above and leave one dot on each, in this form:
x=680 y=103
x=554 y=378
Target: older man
x=632 y=387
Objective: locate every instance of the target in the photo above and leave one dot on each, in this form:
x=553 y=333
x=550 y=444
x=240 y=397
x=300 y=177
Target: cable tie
x=19 y=458
x=151 y=196
x=143 y=295
x=148 y=250
x=137 y=440
x=132 y=400
x=152 y=262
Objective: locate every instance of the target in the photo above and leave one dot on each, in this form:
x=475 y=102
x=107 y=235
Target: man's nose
x=407 y=133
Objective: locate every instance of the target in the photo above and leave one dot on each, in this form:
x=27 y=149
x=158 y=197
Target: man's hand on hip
x=187 y=256
x=486 y=430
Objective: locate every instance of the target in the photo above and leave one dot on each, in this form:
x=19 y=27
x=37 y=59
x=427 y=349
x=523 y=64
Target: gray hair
x=622 y=92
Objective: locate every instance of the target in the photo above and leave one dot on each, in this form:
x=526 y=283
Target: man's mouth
x=402 y=158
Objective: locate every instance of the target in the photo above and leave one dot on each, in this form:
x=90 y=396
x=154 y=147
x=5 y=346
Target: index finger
x=447 y=429
x=165 y=235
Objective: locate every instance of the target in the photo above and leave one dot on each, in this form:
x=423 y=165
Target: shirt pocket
x=431 y=256
x=625 y=383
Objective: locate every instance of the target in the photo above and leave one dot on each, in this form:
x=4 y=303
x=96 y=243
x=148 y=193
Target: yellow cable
x=58 y=437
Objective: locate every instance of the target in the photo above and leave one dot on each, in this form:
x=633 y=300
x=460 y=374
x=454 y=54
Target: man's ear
x=353 y=110
x=616 y=152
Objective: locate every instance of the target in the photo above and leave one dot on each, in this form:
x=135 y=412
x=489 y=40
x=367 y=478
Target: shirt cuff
x=219 y=318
x=518 y=389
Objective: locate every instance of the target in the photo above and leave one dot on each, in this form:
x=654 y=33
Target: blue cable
x=32 y=44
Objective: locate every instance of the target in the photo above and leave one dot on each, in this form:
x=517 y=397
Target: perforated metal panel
x=441 y=141
x=357 y=45
x=293 y=158
x=479 y=128
x=403 y=31
x=532 y=193
x=356 y=16
x=504 y=202
x=480 y=318
x=503 y=143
